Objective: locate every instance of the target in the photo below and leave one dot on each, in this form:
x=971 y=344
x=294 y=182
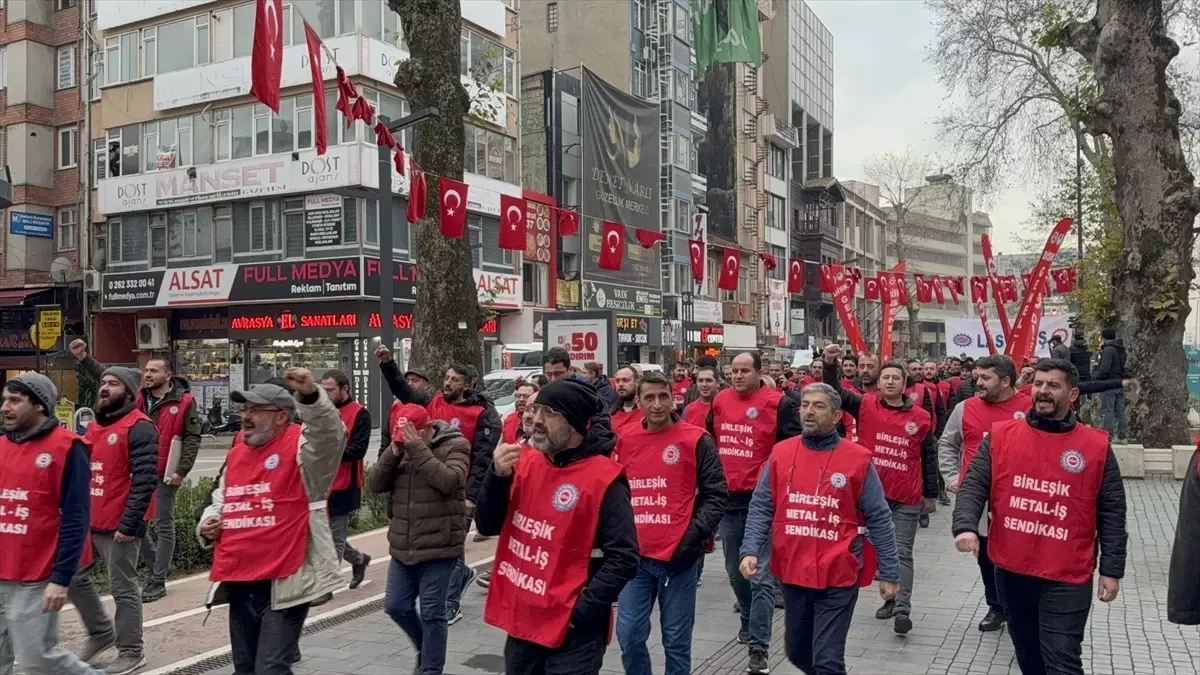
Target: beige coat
x=319 y=453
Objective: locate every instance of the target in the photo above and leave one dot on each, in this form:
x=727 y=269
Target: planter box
x=1181 y=456
x=1131 y=459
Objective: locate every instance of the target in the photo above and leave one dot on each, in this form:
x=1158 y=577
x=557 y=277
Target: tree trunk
x=1127 y=45
x=914 y=331
x=447 y=317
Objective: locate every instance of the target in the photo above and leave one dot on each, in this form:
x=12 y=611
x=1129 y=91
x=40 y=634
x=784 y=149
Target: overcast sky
x=886 y=96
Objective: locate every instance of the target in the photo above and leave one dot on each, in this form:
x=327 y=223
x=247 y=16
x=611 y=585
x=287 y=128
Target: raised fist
x=383 y=354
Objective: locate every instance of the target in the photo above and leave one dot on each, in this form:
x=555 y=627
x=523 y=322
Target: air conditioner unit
x=152 y=334
x=91 y=281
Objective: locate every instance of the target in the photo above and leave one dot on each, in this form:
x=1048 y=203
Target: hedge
x=190 y=558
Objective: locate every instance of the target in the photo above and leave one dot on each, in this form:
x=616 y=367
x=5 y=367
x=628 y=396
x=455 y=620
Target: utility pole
x=387 y=261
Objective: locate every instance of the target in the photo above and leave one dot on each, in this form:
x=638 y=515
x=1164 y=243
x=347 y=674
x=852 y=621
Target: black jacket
x=143 y=469
x=966 y=389
x=852 y=403
x=787 y=425
x=1183 y=581
x=1110 y=503
x=358 y=440
x=487 y=427
x=1081 y=356
x=608 y=395
x=1112 y=361
x=616 y=535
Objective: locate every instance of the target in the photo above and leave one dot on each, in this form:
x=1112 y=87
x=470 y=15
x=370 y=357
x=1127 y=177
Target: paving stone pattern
x=1128 y=636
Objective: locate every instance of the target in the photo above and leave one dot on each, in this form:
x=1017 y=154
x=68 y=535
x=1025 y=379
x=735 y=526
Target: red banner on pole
x=987 y=332
x=843 y=301
x=997 y=293
x=1021 y=343
x=891 y=297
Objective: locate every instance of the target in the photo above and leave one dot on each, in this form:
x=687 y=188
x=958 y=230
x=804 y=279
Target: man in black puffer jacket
x=1183 y=584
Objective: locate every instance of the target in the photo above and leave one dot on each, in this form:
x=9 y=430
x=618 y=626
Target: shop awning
x=15 y=297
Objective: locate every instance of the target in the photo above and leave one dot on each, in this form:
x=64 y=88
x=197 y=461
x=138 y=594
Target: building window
x=534 y=281
x=68 y=229
x=65 y=4
x=264 y=229
x=68 y=154
x=777 y=162
x=488 y=61
x=486 y=253
x=781 y=262
x=121 y=58
x=640 y=14
x=552 y=17
x=3 y=67
x=490 y=154
x=776 y=212
x=66 y=67
x=113 y=237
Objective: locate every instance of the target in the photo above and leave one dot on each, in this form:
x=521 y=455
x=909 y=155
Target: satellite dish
x=60 y=269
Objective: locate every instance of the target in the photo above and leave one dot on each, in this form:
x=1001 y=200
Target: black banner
x=298 y=280
x=597 y=295
x=621 y=179
x=639 y=331
x=404 y=279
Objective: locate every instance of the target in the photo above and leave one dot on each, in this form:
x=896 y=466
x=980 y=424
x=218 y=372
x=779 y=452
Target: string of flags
x=266 y=69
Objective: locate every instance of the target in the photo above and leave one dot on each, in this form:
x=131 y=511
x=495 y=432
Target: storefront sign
x=49 y=327
x=31 y=225
x=639 y=331
x=404 y=279
x=199 y=324
x=706 y=311
x=707 y=335
x=322 y=220
x=587 y=336
x=600 y=295
x=502 y=291
x=567 y=293
x=323 y=320
x=239 y=179
x=537 y=231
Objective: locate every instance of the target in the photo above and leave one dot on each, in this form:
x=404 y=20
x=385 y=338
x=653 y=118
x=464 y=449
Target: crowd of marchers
x=605 y=493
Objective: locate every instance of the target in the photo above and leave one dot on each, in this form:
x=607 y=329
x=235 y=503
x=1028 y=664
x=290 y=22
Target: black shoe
x=295 y=657
x=779 y=602
x=737 y=609
x=743 y=637
x=359 y=572
x=992 y=622
x=758 y=664
x=923 y=520
x=944 y=498
x=886 y=611
x=902 y=624
x=153 y=592
x=321 y=600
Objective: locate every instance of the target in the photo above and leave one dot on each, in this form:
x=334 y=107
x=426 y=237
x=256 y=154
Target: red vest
x=696 y=412
x=661 y=468
x=1043 y=500
x=30 y=497
x=807 y=380
x=851 y=426
x=545 y=545
x=512 y=426
x=746 y=428
x=943 y=388
x=171 y=418
x=848 y=385
x=341 y=480
x=621 y=418
x=461 y=415
x=1026 y=389
x=264 y=525
x=955 y=380
x=111 y=477
x=979 y=416
x=816 y=513
x=679 y=390
x=894 y=438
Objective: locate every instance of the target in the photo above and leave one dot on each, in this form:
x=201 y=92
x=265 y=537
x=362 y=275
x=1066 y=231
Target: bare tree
x=1127 y=44
x=446 y=317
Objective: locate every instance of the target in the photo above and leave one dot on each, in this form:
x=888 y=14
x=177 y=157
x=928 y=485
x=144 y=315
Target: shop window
x=270 y=358
x=205 y=365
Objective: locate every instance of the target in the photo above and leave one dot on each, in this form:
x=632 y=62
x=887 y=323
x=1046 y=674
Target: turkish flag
x=401 y=160
x=899 y=288
x=568 y=222
x=1045 y=289
x=856 y=273
x=346 y=95
x=362 y=110
x=697 y=250
x=416 y=194
x=266 y=56
x=383 y=136
x=648 y=238
x=795 y=276
x=979 y=289
x=612 y=246
x=871 y=288
x=936 y=282
x=1064 y=279
x=731 y=267
x=453 y=207
x=825 y=284
x=512 y=222
x=768 y=260
x=1008 y=289
x=318 y=83
x=924 y=292
x=955 y=286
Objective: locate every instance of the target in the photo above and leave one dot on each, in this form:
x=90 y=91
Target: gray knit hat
x=130 y=377
x=43 y=390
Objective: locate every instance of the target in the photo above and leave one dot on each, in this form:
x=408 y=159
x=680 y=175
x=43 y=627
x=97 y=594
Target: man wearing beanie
x=124 y=447
x=570 y=501
x=44 y=529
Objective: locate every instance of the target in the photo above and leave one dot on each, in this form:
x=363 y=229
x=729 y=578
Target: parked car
x=501 y=387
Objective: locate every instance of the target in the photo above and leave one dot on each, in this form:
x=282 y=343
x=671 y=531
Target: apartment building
x=41 y=80
x=222 y=238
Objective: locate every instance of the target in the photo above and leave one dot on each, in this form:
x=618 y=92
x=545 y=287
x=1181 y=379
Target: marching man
x=814 y=496
x=1055 y=491
x=44 y=479
x=568 y=543
x=678 y=493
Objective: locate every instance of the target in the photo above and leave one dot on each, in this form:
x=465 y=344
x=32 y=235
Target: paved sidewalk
x=1130 y=635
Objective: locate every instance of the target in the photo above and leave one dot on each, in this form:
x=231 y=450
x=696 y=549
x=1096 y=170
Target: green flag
x=726 y=31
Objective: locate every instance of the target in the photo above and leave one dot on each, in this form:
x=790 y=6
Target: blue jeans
x=457 y=577
x=1112 y=413
x=676 y=612
x=816 y=623
x=430 y=582
x=756 y=597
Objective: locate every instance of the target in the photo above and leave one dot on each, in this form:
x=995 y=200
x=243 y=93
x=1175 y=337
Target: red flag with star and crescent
x=266 y=56
x=453 y=207
x=731 y=269
x=512 y=223
x=696 y=251
x=795 y=275
x=612 y=246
